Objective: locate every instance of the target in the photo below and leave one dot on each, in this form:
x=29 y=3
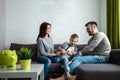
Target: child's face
x=73 y=41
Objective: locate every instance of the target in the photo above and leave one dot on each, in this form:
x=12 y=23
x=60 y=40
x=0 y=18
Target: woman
x=45 y=44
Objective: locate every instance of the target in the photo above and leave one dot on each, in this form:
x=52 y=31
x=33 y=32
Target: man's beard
x=90 y=34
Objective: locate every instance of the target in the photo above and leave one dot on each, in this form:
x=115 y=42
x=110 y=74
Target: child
x=68 y=51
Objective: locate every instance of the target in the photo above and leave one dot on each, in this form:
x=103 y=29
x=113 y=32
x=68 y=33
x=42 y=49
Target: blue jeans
x=65 y=61
x=78 y=54
x=86 y=59
x=47 y=62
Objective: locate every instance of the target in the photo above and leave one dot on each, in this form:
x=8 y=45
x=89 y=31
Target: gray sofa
x=106 y=71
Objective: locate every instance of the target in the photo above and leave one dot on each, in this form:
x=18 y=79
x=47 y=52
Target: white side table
x=33 y=73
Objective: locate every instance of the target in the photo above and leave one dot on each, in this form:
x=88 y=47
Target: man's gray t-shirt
x=98 y=45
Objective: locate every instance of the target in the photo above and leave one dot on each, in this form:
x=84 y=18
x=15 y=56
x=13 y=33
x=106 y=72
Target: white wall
x=23 y=18
x=103 y=16
x=2 y=24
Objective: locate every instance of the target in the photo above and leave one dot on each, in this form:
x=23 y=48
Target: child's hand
x=70 y=53
x=73 y=52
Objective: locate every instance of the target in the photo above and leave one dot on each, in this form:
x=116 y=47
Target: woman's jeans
x=86 y=59
x=47 y=62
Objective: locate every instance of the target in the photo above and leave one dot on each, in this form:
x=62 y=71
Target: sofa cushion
x=56 y=67
x=33 y=47
x=55 y=71
x=81 y=46
x=98 y=72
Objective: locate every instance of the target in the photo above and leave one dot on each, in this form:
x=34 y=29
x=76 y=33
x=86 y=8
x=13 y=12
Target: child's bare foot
x=72 y=77
x=60 y=78
x=62 y=66
x=52 y=79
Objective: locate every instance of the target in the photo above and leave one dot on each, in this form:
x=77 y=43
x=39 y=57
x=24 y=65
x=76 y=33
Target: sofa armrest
x=114 y=56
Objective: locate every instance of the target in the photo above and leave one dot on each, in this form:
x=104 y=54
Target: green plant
x=24 y=53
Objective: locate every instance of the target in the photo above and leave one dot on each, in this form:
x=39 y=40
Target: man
x=96 y=51
x=99 y=43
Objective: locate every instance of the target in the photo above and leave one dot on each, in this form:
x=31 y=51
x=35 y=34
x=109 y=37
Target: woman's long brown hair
x=42 y=30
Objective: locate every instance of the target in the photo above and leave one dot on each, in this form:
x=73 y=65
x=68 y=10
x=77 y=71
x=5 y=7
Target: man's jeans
x=86 y=59
x=47 y=62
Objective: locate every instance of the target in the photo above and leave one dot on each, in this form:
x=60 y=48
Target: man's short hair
x=91 y=23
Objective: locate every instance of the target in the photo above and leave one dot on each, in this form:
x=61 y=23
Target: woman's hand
x=63 y=51
x=58 y=53
x=54 y=54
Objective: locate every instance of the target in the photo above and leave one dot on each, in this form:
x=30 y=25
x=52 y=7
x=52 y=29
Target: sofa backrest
x=81 y=46
x=114 y=54
x=33 y=47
